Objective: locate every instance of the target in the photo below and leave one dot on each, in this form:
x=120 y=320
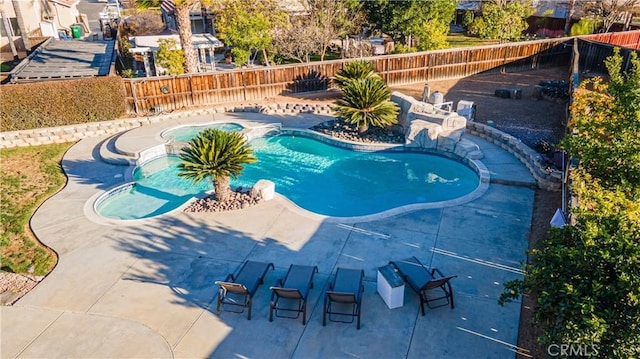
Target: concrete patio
x=146 y=288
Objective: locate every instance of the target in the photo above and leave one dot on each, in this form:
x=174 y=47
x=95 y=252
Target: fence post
x=135 y=98
x=193 y=101
x=244 y=85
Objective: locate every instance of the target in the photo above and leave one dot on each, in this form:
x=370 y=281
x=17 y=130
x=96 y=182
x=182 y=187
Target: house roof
x=472 y=5
x=67 y=3
x=169 y=6
x=553 y=9
x=66 y=59
x=146 y=43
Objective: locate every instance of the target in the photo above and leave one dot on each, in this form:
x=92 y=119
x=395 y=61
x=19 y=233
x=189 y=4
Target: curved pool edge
x=154 y=152
x=161 y=135
x=483 y=186
x=91 y=212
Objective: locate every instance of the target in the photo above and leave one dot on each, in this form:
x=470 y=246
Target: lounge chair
x=345 y=290
x=293 y=288
x=423 y=281
x=238 y=290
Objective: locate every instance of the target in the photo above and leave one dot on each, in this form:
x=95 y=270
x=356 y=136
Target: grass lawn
x=462 y=40
x=28 y=176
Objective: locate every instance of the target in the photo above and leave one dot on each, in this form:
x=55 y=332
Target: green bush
x=583 y=27
x=403 y=49
x=240 y=56
x=49 y=104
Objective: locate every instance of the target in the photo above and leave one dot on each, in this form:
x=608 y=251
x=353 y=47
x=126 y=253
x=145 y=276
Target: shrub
x=583 y=27
x=354 y=70
x=169 y=57
x=59 y=103
x=240 y=56
x=366 y=102
x=403 y=49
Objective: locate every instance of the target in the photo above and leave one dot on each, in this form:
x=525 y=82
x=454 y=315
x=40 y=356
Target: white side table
x=390 y=286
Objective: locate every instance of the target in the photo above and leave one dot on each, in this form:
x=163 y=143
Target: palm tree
x=183 y=23
x=367 y=102
x=217 y=155
x=353 y=71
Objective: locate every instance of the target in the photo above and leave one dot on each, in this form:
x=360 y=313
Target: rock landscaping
x=345 y=131
x=239 y=199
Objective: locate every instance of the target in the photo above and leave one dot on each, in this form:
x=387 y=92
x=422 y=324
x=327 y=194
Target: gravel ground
x=13 y=286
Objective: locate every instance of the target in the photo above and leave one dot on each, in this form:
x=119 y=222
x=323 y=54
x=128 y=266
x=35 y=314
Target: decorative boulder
x=466 y=148
x=264 y=189
x=423 y=134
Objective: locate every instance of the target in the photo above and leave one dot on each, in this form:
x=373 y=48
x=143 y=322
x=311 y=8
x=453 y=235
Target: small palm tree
x=354 y=70
x=217 y=155
x=367 y=102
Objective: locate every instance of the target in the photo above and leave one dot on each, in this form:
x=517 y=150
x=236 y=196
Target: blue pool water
x=185 y=134
x=316 y=176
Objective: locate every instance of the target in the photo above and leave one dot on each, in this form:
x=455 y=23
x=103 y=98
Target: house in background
x=201 y=19
x=145 y=50
x=25 y=24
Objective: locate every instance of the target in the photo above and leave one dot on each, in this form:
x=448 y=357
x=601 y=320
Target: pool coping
x=151 y=153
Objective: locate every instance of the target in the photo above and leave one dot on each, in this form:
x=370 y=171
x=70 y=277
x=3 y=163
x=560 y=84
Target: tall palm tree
x=183 y=23
x=217 y=155
x=354 y=70
x=367 y=102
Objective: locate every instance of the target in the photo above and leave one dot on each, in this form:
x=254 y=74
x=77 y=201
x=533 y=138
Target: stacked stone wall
x=547 y=178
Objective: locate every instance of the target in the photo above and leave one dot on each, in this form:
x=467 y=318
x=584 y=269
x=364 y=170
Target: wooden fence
x=593 y=54
x=146 y=95
x=627 y=39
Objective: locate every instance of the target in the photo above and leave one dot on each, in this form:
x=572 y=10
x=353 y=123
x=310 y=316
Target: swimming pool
x=186 y=133
x=316 y=176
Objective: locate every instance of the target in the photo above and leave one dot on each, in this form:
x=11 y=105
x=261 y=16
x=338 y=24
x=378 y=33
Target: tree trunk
x=222 y=189
x=266 y=59
x=570 y=12
x=363 y=128
x=184 y=31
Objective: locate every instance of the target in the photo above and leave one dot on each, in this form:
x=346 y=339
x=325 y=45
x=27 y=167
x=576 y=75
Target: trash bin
x=76 y=31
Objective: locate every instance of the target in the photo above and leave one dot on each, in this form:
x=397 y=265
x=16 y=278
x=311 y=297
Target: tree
x=183 y=22
x=354 y=70
x=609 y=11
x=248 y=25
x=218 y=156
x=607 y=122
x=141 y=22
x=585 y=26
x=426 y=20
x=169 y=57
x=586 y=277
x=503 y=20
x=297 y=39
x=333 y=19
x=366 y=102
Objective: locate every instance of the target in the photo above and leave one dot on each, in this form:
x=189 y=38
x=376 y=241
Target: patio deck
x=145 y=289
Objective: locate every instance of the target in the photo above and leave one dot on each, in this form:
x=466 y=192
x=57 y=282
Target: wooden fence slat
x=207 y=89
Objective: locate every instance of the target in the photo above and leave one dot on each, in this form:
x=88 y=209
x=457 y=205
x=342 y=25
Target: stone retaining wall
x=72 y=133
x=547 y=178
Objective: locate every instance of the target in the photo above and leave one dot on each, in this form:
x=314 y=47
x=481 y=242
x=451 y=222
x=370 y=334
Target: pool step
x=109 y=153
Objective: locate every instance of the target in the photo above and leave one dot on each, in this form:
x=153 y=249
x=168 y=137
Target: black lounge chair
x=293 y=288
x=238 y=290
x=345 y=290
x=422 y=280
